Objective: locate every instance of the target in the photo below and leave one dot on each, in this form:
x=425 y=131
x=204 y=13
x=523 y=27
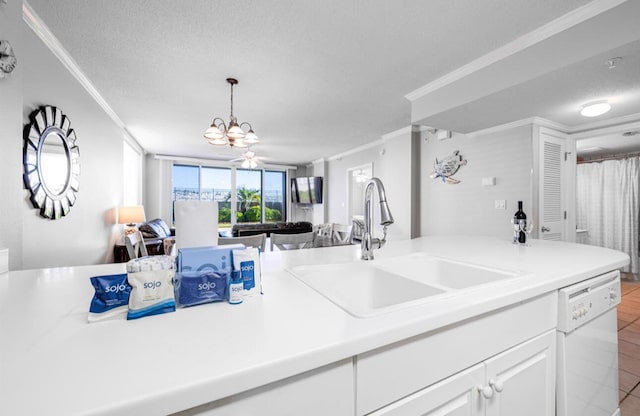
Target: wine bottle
x=518 y=217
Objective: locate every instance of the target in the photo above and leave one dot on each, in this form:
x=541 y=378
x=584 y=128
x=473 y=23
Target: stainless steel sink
x=366 y=289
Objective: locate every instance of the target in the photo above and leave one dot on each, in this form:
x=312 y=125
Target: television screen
x=306 y=190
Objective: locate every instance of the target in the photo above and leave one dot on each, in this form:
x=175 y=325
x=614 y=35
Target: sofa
x=156 y=228
x=239 y=230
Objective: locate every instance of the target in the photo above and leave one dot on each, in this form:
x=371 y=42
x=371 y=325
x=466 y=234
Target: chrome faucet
x=368 y=242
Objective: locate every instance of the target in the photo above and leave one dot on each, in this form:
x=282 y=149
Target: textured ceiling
x=558 y=95
x=316 y=77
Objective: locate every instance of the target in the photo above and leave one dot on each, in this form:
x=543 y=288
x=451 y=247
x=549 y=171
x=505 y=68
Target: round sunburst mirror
x=51 y=162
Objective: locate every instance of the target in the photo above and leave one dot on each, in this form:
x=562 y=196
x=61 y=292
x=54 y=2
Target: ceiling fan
x=249 y=160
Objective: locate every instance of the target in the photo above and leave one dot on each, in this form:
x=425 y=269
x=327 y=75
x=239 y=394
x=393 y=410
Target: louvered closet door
x=552 y=174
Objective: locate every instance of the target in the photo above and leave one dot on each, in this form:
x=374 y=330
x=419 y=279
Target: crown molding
x=612 y=123
x=355 y=150
x=610 y=129
x=581 y=131
x=511 y=125
x=538 y=35
x=217 y=162
x=405 y=131
x=37 y=25
x=133 y=142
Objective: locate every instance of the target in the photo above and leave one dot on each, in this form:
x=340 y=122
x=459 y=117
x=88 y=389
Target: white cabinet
x=454 y=396
x=324 y=391
x=388 y=374
x=523 y=379
x=520 y=381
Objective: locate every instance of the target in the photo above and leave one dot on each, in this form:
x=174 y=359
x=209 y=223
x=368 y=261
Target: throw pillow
x=156 y=228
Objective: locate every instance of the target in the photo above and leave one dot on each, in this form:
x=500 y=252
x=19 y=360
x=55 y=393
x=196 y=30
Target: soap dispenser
x=236 y=288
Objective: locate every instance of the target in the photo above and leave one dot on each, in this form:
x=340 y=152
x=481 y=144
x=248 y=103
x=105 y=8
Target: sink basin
x=366 y=289
x=443 y=273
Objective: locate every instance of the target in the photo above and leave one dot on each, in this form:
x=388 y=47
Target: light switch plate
x=490 y=181
x=500 y=204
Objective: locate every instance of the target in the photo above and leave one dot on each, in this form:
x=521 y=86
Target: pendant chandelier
x=232 y=134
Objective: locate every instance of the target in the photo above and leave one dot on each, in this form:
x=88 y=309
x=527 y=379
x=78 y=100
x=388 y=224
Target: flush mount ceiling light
x=595 y=108
x=231 y=134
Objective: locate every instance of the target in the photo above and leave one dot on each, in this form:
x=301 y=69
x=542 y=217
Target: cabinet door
x=552 y=182
x=523 y=379
x=454 y=396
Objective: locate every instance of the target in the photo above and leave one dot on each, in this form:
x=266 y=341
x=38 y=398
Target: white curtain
x=608 y=206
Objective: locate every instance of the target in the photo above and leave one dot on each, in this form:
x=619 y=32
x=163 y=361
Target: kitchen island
x=286 y=351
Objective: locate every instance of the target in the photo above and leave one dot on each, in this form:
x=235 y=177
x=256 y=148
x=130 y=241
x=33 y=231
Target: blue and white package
x=152 y=288
x=151 y=293
x=195 y=288
x=248 y=263
x=111 y=297
x=217 y=259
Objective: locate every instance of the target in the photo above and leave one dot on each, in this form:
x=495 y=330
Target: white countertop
x=53 y=362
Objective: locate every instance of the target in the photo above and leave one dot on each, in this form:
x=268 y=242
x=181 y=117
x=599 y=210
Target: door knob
x=545 y=229
x=486 y=391
x=496 y=384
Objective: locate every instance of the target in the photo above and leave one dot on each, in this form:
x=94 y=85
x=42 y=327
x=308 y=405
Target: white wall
x=157 y=186
x=320 y=212
x=395 y=170
x=11 y=202
x=337 y=180
x=393 y=164
x=468 y=207
x=86 y=235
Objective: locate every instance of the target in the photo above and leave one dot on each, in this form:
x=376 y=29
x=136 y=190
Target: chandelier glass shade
x=232 y=134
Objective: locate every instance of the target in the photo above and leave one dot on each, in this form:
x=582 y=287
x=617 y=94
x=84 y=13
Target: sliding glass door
x=216 y=186
x=249 y=195
x=243 y=195
x=275 y=200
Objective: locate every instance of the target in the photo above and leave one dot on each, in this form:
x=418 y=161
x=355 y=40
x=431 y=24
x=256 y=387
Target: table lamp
x=131 y=216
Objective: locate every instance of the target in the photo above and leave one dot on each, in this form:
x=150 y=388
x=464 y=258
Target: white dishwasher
x=587 y=366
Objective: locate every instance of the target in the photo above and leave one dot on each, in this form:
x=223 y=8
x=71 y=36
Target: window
x=186 y=183
x=216 y=186
x=249 y=195
x=275 y=200
x=258 y=195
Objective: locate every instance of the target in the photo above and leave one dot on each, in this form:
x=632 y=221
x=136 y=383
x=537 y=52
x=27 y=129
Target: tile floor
x=629 y=345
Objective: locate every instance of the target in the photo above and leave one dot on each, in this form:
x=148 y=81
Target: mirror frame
x=44 y=121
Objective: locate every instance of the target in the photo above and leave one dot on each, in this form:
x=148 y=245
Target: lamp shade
x=213 y=132
x=235 y=132
x=251 y=137
x=239 y=143
x=221 y=141
x=131 y=215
